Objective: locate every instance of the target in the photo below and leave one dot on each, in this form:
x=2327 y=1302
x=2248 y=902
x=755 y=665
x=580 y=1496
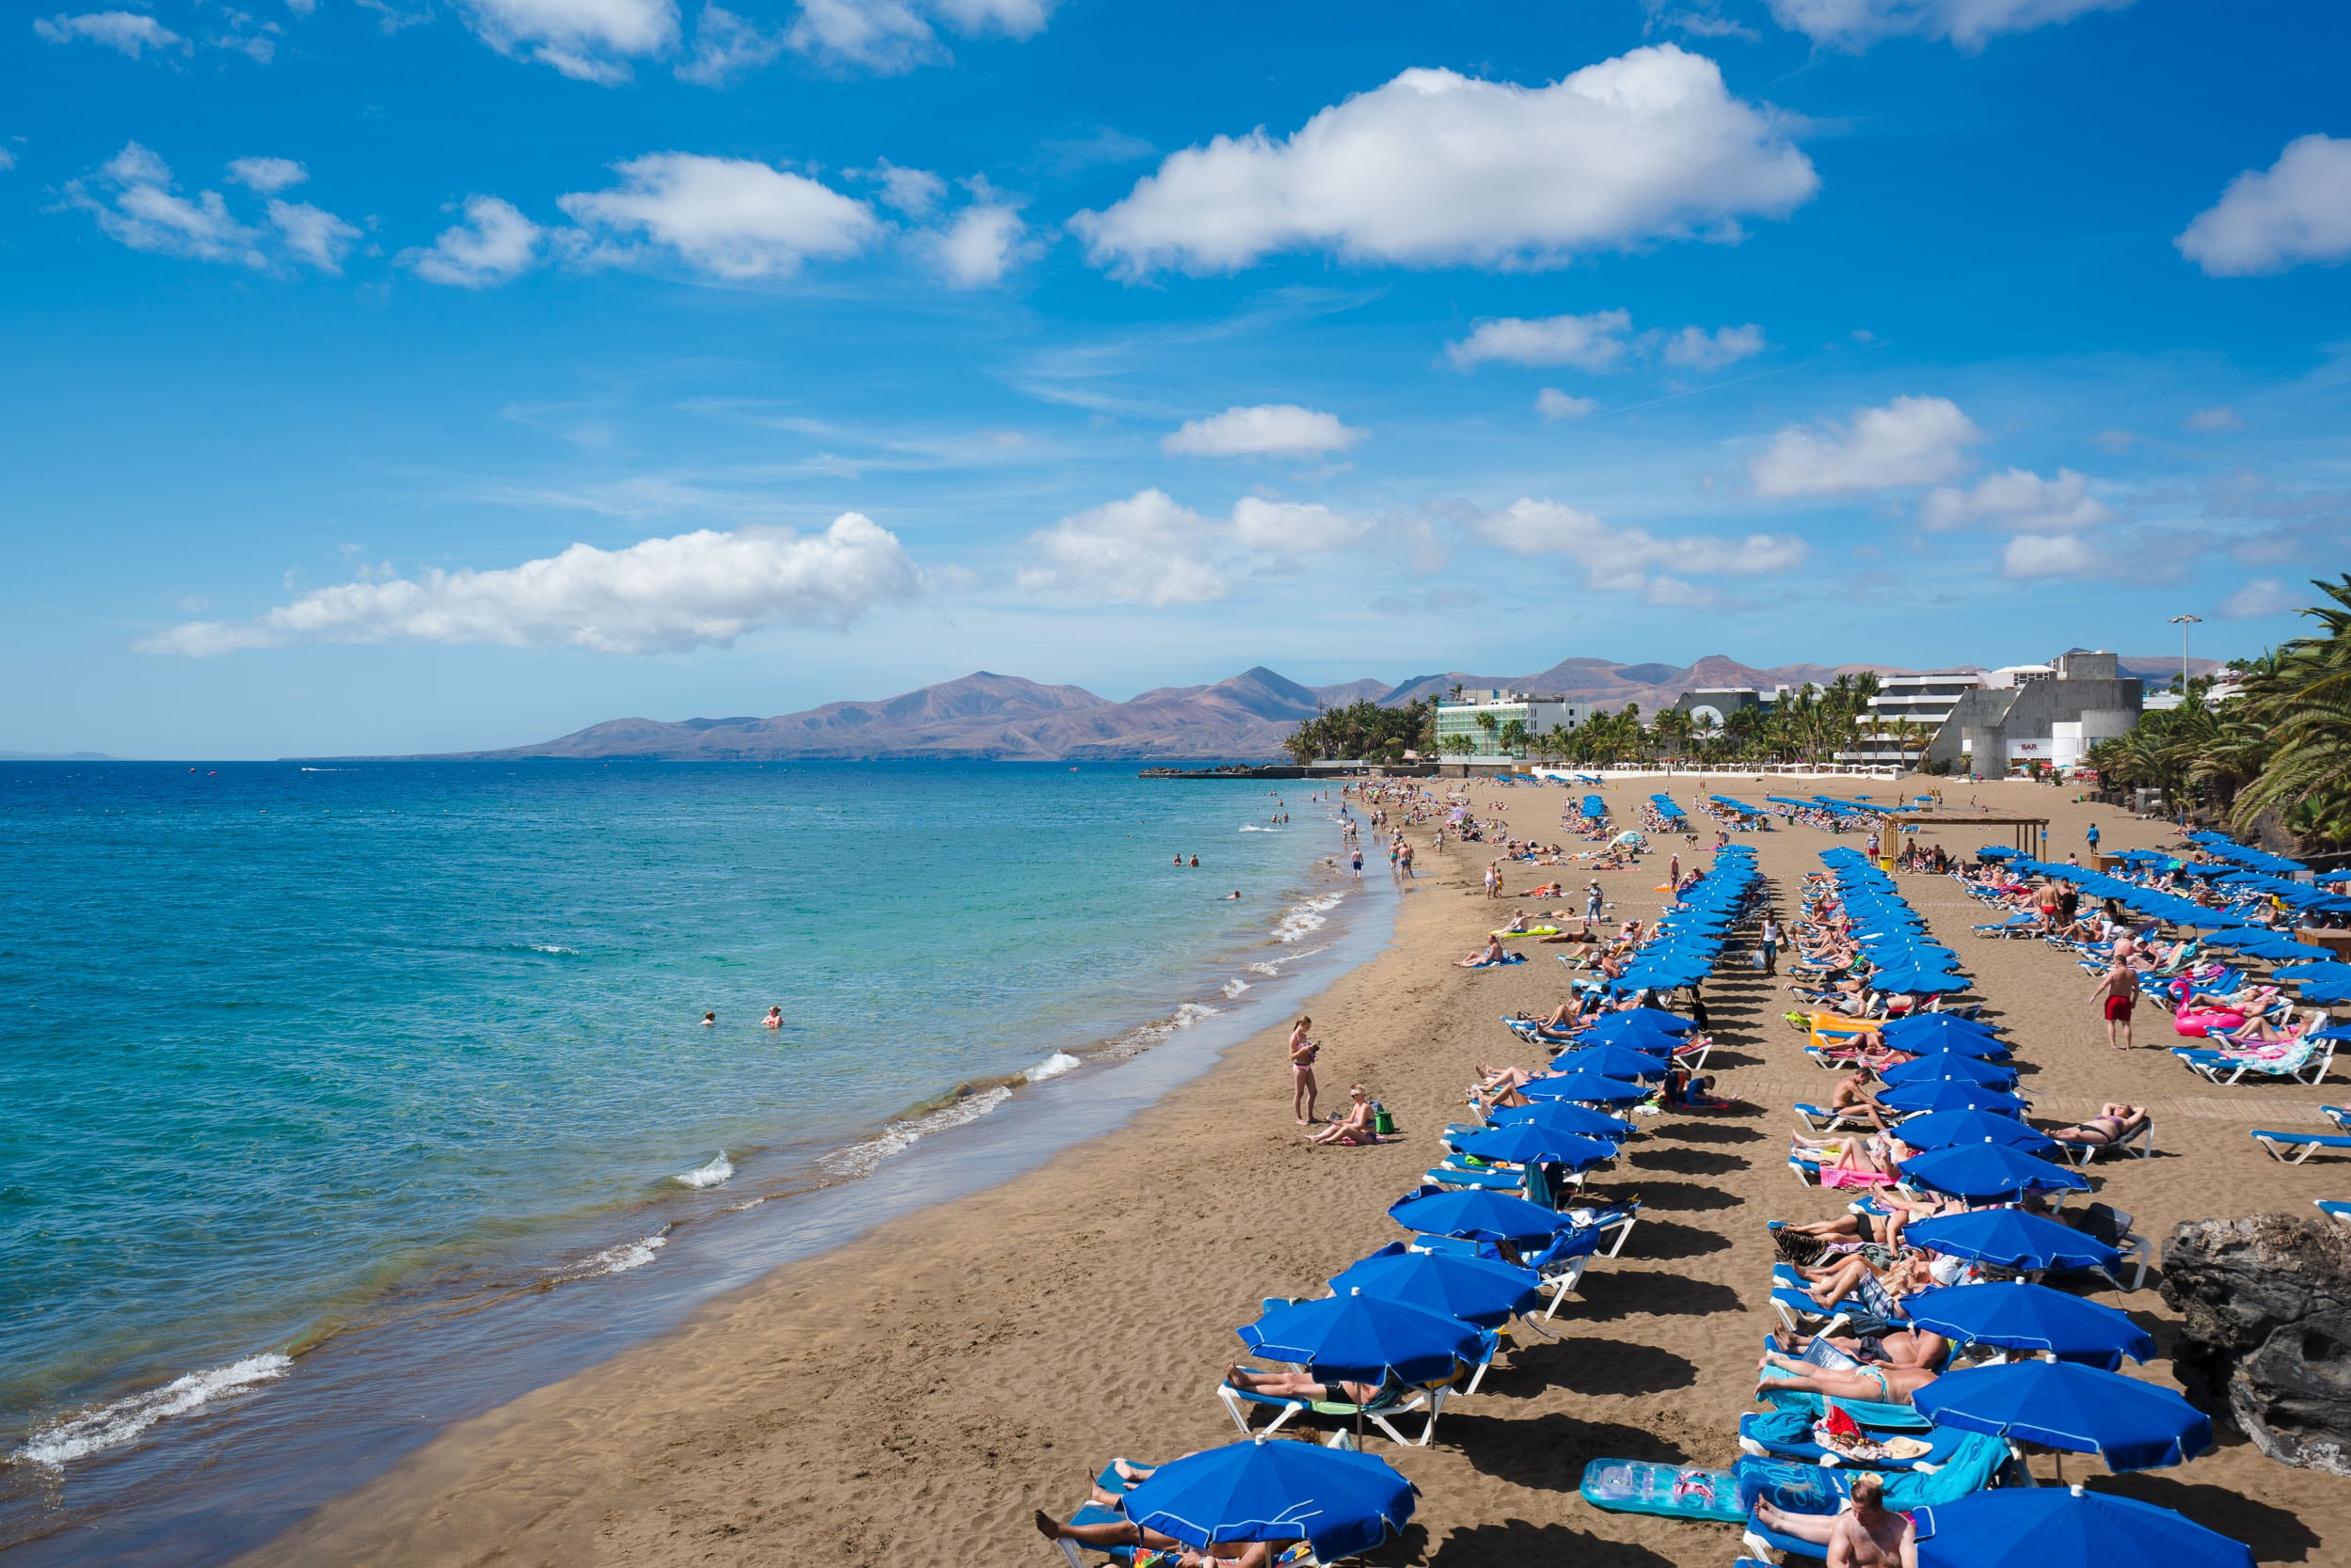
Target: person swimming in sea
x=774 y=1019
x=710 y=1021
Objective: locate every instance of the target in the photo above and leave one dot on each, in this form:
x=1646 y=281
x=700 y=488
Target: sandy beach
x=914 y=1396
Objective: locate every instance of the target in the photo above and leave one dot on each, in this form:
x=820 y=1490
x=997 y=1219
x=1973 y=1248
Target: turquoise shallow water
x=291 y=1048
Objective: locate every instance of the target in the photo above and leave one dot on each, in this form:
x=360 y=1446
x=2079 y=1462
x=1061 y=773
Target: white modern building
x=1924 y=700
x=1469 y=714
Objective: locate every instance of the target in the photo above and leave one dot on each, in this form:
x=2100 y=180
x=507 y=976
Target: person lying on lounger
x=1880 y=1292
x=1226 y=1554
x=1849 y=1161
x=1900 y=1347
x=1885 y=1229
x=1852 y=1094
x=1867 y=1535
x=1884 y=1384
x=2113 y=1122
x=1300 y=1385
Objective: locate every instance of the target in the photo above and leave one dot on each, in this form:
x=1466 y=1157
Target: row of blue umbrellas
x=1682 y=952
x=1889 y=932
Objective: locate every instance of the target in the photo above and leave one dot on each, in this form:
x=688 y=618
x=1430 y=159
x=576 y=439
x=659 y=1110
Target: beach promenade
x=914 y=1396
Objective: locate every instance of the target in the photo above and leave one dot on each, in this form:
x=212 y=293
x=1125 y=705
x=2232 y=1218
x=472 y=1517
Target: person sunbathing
x=1848 y=1162
x=2113 y=1122
x=1492 y=955
x=1225 y=1554
x=1884 y=1384
x=1867 y=1534
x=1885 y=1229
x=1852 y=1094
x=1300 y=1385
x=1354 y=1128
x=1879 y=1293
x=1515 y=926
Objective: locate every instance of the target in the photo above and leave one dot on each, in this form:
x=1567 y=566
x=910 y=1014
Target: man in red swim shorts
x=2118 y=991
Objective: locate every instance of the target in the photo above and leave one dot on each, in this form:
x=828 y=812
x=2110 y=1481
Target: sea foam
x=858 y=1159
x=709 y=1173
x=1053 y=1067
x=107 y=1426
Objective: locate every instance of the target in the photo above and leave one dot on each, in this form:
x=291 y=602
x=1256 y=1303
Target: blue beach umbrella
x=1611 y=1061
x=1588 y=1089
x=1561 y=1116
x=1644 y=1022
x=1476 y=1214
x=2017 y=1316
x=2012 y=1238
x=2057 y=1404
x=1341 y=1502
x=1981 y=1048
x=1936 y=1026
x=2318 y=969
x=1954 y=1128
x=1478 y=1290
x=2050 y=1524
x=1915 y=982
x=1990 y=1170
x=1950 y=1094
x=1950 y=1065
x=2328 y=992
x=1525 y=1144
x=1363 y=1338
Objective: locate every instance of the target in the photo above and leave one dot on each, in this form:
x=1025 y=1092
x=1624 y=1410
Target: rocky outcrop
x=2267 y=1337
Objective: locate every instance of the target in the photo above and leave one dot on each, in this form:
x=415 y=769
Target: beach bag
x=1382 y=1122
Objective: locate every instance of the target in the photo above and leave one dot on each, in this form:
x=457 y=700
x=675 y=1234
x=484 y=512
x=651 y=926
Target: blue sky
x=441 y=374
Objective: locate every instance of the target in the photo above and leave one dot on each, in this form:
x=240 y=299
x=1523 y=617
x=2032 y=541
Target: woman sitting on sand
x=1491 y=956
x=2113 y=1122
x=1353 y=1128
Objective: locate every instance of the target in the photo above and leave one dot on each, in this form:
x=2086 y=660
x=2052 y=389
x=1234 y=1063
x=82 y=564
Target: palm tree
x=1487 y=722
x=1513 y=738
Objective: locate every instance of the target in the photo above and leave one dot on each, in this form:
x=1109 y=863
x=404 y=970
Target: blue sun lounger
x=1393 y=1401
x=2294 y=1148
x=2334 y=1209
x=1094 y=1513
x=1788 y=1434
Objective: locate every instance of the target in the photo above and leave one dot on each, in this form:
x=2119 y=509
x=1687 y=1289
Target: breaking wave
x=107 y=1426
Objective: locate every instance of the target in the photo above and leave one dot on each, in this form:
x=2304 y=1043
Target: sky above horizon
x=404 y=375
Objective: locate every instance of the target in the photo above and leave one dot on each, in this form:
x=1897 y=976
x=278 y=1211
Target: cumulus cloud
x=979 y=246
x=1553 y=403
x=734 y=218
x=1855 y=24
x=1591 y=342
x=2054 y=555
x=1632 y=560
x=7 y=160
x=661 y=595
x=1435 y=169
x=132 y=197
x=1293 y=528
x=2018 y=501
x=1695 y=348
x=1911 y=441
x=495 y=244
x=313 y=235
x=589 y=40
x=2297 y=211
x=727 y=47
x=2260 y=597
x=887 y=37
x=126 y=32
x=2213 y=421
x=1264 y=429
x=266 y=175
x=915 y=192
x=1144 y=549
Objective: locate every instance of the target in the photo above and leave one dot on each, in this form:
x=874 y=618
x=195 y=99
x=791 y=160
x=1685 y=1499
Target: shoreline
x=220 y=1460
x=920 y=1390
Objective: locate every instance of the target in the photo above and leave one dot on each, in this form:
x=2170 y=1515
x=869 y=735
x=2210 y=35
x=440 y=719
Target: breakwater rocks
x=2267 y=1336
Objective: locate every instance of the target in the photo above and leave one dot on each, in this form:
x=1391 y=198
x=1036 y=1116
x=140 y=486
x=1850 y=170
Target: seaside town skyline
x=401 y=379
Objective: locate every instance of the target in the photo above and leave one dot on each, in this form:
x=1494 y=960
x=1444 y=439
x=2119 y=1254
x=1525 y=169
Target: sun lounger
x=2334 y=1209
x=1799 y=1313
x=2338 y=1114
x=1787 y=1435
x=2102 y=1222
x=1394 y=1402
x=2306 y=1062
x=2018 y=925
x=1512 y=1179
x=2294 y=1148
x=1821 y=1118
x=1094 y=1513
x=2140 y=1143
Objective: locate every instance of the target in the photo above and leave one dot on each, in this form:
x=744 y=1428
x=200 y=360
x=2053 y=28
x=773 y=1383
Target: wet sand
x=913 y=1396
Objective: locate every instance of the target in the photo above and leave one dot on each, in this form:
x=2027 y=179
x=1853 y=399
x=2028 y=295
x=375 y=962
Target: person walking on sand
x=1303 y=1051
x=1493 y=878
x=2091 y=834
x=1769 y=940
x=2118 y=991
x=1404 y=861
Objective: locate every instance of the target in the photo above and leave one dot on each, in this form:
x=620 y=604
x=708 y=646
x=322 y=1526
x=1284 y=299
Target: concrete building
x=1923 y=700
x=1708 y=707
x=1539 y=714
x=2045 y=713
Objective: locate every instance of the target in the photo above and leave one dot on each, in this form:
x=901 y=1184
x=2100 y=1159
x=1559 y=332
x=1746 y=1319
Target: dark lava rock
x=2267 y=1338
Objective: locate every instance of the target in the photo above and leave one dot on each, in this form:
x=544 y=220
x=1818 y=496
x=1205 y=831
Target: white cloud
x=1144 y=549
x=2260 y=597
x=132 y=199
x=1910 y=441
x=731 y=217
x=1695 y=348
x=2054 y=555
x=1264 y=429
x=690 y=591
x=1018 y=19
x=589 y=40
x=727 y=46
x=1593 y=342
x=7 y=160
x=1293 y=528
x=126 y=32
x=2017 y=502
x=1435 y=169
x=495 y=244
x=313 y=235
x=887 y=37
x=1632 y=560
x=915 y=192
x=2213 y=421
x=266 y=175
x=1855 y=24
x=2297 y=210
x=1553 y=403
x=981 y=244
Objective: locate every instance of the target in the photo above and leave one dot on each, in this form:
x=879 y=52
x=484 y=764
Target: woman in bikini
x=1302 y=1054
x=1885 y=1384
x=2113 y=1122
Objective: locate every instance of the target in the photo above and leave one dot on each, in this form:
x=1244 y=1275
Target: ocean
x=317 y=1076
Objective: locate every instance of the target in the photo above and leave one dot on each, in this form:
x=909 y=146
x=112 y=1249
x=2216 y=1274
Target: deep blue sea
x=291 y=1052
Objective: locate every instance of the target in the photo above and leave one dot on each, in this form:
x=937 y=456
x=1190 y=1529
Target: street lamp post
x=2184 y=623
